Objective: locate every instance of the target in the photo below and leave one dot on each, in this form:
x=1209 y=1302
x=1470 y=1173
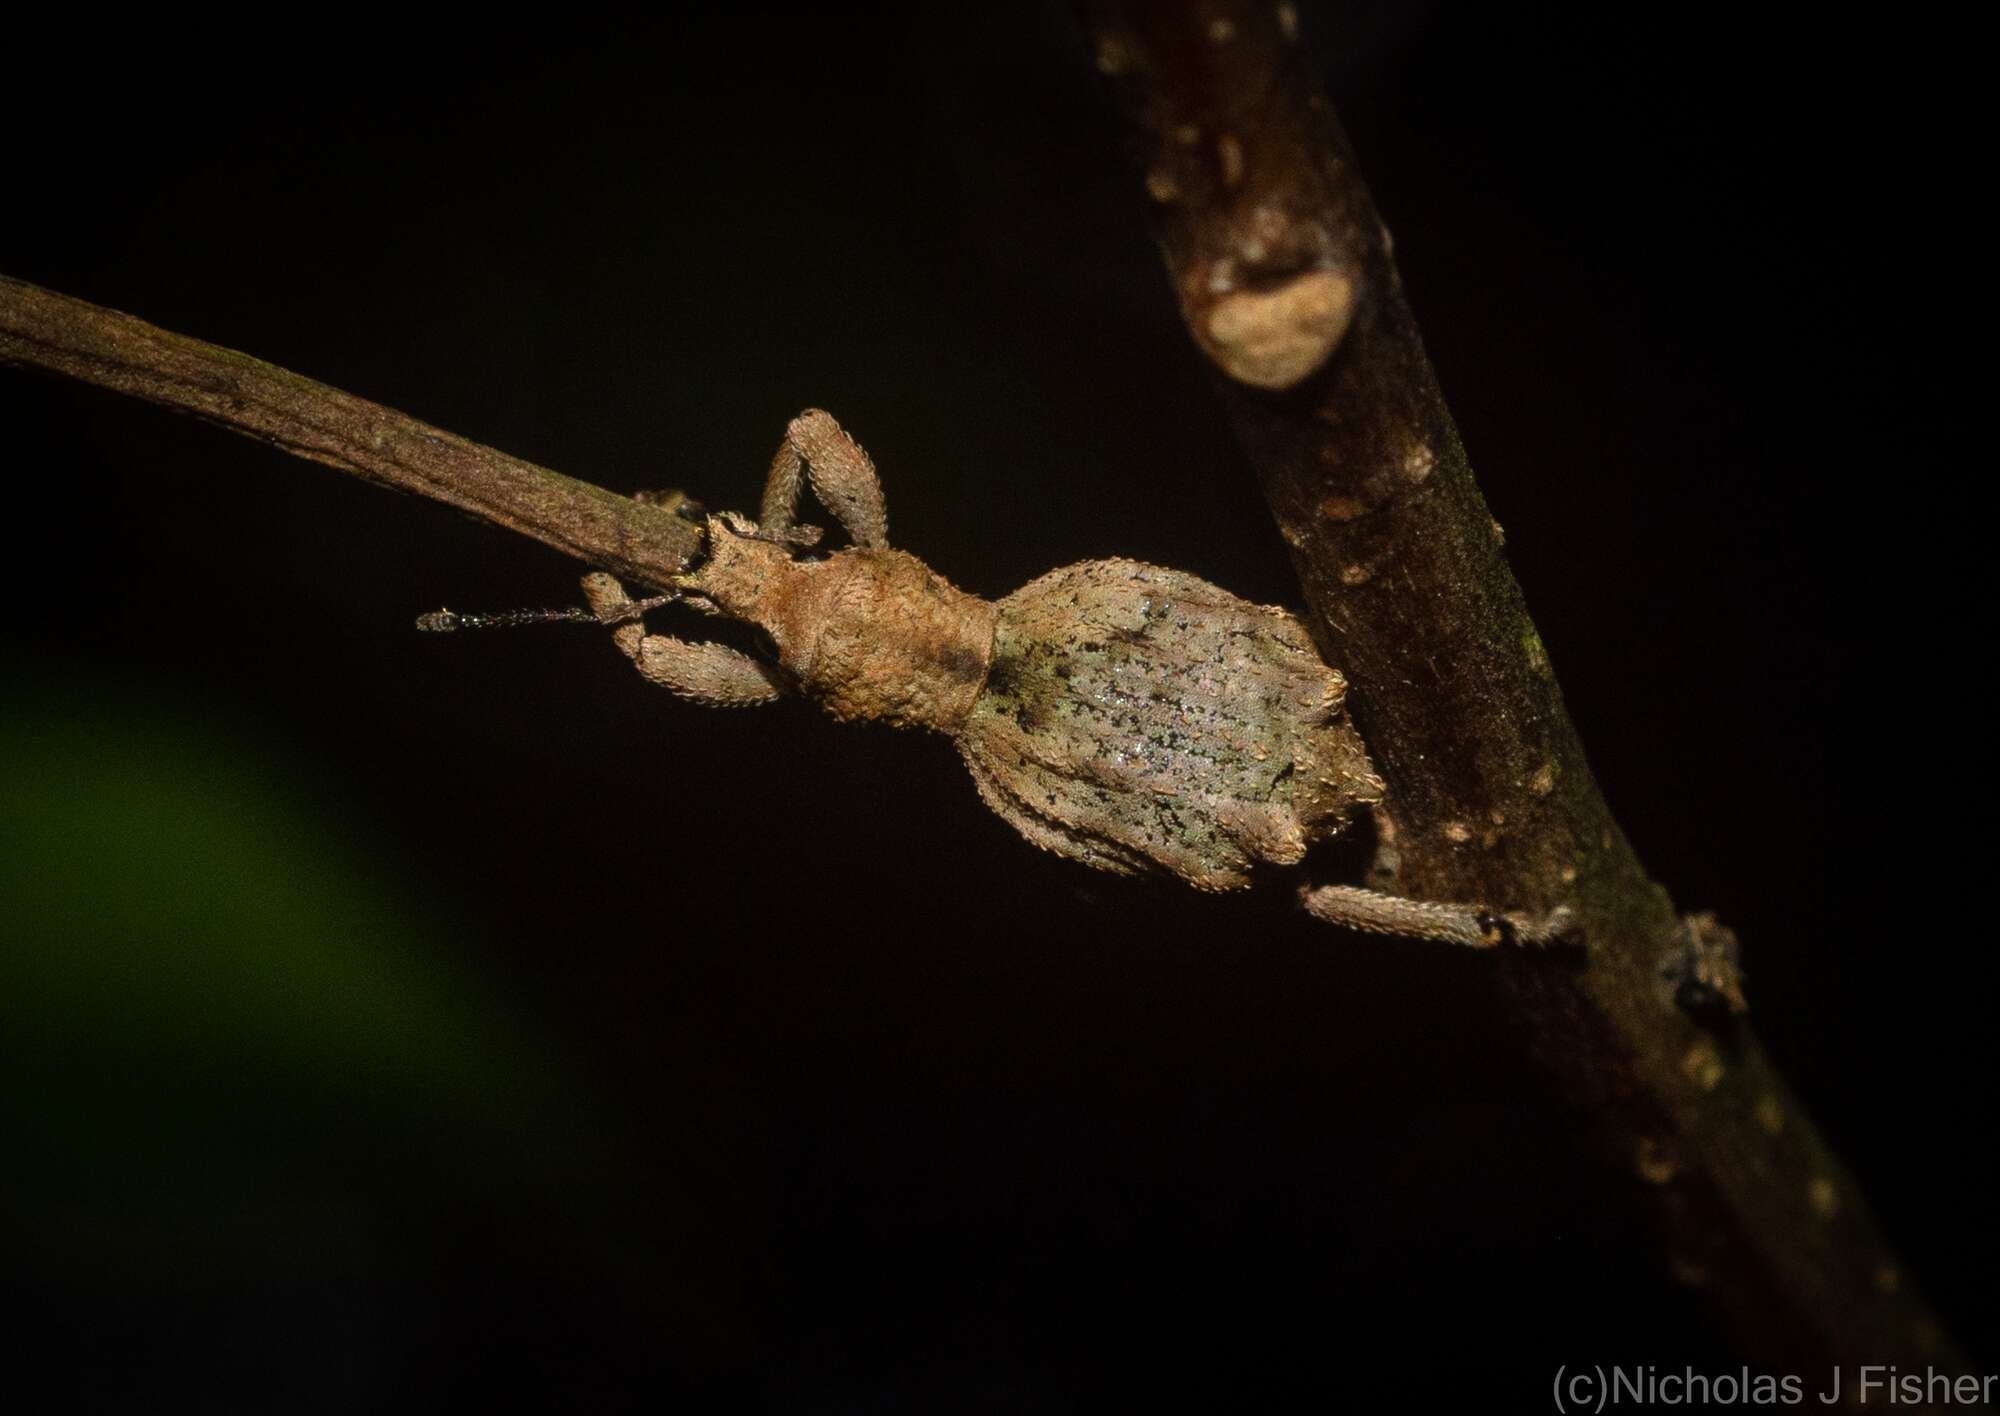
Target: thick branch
x=1283 y=271
x=40 y=329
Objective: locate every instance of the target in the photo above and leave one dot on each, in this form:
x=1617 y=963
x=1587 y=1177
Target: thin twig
x=636 y=541
x=1283 y=271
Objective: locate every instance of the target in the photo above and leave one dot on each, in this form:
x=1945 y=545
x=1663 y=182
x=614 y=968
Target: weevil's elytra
x=1139 y=718
x=1133 y=718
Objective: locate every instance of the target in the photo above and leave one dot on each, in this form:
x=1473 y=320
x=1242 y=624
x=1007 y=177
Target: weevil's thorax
x=891 y=639
x=1137 y=718
x=867 y=633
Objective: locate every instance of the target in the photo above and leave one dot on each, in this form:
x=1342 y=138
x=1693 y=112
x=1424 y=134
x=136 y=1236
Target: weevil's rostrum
x=1126 y=716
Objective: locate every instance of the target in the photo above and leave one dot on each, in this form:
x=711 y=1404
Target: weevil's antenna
x=449 y=621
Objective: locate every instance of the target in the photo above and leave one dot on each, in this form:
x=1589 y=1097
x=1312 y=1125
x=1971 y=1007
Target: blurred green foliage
x=248 y=1089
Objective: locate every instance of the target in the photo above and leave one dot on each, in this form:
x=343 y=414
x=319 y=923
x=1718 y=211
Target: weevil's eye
x=688 y=509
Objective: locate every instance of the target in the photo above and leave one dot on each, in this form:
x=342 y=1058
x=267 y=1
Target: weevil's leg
x=842 y=477
x=713 y=674
x=780 y=506
x=1372 y=912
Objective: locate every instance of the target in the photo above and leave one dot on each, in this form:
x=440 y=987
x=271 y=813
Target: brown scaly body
x=1133 y=718
x=1136 y=719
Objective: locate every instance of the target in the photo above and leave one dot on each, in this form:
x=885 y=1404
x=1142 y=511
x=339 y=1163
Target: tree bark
x=1284 y=275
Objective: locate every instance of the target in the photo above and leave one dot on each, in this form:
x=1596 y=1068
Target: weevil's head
x=749 y=575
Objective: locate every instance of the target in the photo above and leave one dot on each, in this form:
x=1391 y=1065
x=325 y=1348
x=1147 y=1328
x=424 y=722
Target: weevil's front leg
x=1372 y=912
x=842 y=477
x=713 y=674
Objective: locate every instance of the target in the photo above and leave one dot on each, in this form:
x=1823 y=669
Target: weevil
x=1133 y=718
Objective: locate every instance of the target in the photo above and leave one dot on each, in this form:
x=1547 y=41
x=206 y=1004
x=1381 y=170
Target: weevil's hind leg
x=780 y=507
x=842 y=477
x=713 y=674
x=1375 y=913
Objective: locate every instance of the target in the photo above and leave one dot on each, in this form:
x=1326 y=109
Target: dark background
x=393 y=1021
